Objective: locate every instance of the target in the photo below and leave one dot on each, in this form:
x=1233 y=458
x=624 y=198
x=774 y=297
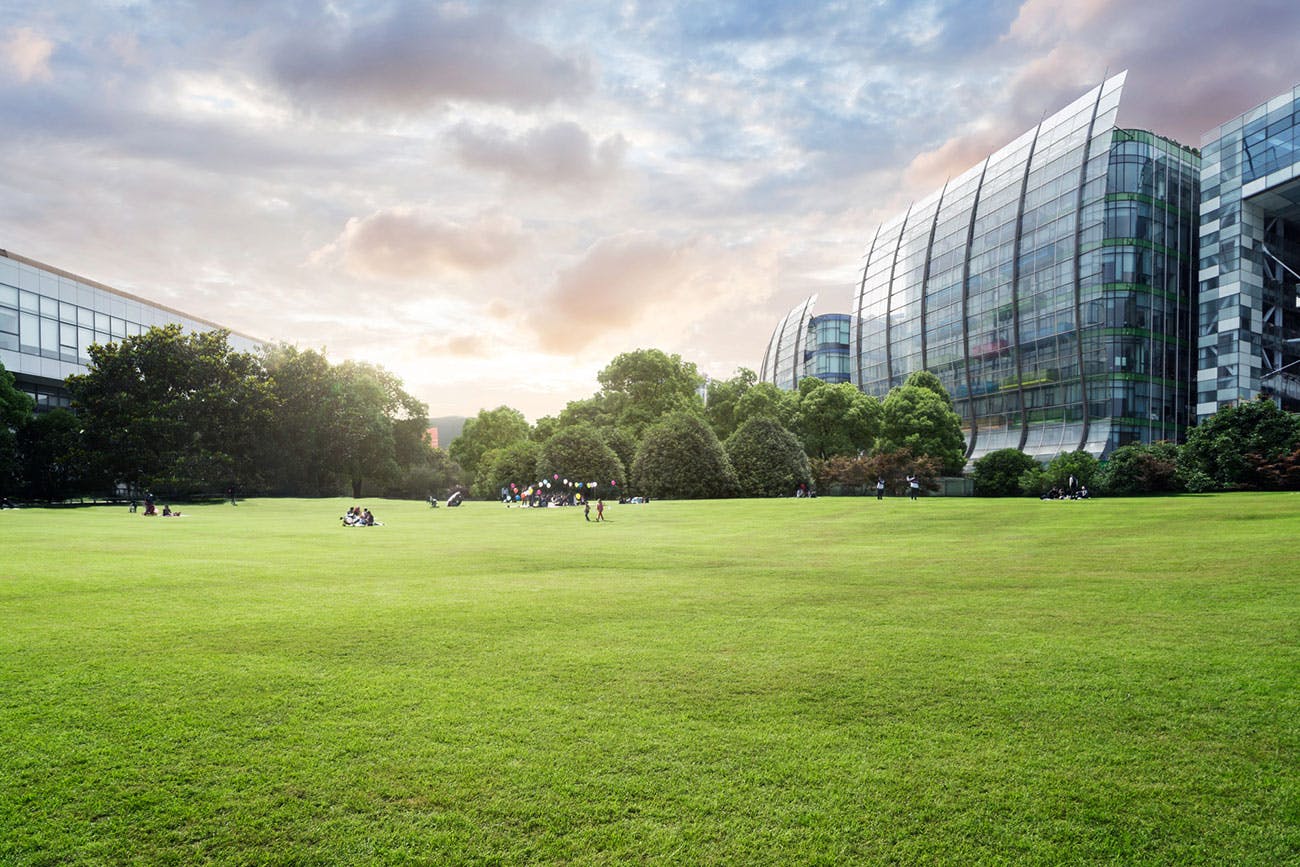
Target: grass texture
x=825 y=681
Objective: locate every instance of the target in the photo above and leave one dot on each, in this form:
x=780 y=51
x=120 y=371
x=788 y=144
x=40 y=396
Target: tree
x=1227 y=447
x=916 y=418
x=172 y=411
x=301 y=452
x=54 y=465
x=835 y=419
x=680 y=457
x=639 y=388
x=1140 y=469
x=1079 y=465
x=621 y=442
x=515 y=464
x=723 y=399
x=490 y=429
x=15 y=411
x=579 y=453
x=764 y=398
x=998 y=473
x=768 y=460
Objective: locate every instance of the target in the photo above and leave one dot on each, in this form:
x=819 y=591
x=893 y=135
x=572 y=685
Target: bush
x=768 y=460
x=1141 y=469
x=680 y=457
x=1229 y=446
x=998 y=473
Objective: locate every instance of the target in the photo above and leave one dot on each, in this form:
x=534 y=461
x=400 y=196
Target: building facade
x=1248 y=329
x=805 y=345
x=49 y=319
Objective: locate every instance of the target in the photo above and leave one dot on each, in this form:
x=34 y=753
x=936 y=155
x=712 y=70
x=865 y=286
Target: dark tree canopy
x=1223 y=451
x=681 y=458
x=767 y=459
x=515 y=464
x=998 y=473
x=172 y=411
x=15 y=410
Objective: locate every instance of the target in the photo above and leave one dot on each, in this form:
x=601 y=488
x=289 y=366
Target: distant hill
x=449 y=427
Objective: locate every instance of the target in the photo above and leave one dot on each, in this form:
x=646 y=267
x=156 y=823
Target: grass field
x=749 y=682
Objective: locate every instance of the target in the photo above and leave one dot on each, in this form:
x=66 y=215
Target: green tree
x=1079 y=465
x=15 y=411
x=579 y=453
x=621 y=442
x=681 y=458
x=764 y=398
x=1140 y=469
x=302 y=449
x=920 y=420
x=835 y=419
x=723 y=400
x=639 y=388
x=544 y=428
x=176 y=412
x=490 y=429
x=515 y=464
x=1226 y=448
x=998 y=473
x=768 y=460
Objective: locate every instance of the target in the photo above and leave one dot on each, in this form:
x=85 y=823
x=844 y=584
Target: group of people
x=359 y=517
x=1079 y=493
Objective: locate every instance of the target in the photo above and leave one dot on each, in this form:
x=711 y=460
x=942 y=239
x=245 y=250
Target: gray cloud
x=562 y=153
x=416 y=56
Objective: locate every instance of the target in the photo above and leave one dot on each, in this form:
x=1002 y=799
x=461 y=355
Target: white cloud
x=28 y=53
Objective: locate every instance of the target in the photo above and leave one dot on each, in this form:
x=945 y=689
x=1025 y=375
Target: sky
x=495 y=199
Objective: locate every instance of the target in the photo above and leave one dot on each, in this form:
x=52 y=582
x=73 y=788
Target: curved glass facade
x=783 y=361
x=1047 y=287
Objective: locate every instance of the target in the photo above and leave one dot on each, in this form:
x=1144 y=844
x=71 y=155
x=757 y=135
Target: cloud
x=28 y=52
x=417 y=57
x=403 y=244
x=558 y=154
x=634 y=284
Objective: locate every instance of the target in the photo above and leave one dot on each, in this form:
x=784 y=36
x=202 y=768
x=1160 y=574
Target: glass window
x=49 y=337
x=8 y=296
x=29 y=332
x=68 y=313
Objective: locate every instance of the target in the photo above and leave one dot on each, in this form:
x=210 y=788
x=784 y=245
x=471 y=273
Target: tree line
x=184 y=415
x=1253 y=445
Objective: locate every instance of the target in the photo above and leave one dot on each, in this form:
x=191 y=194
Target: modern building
x=49 y=319
x=806 y=345
x=1052 y=288
x=1248 y=330
x=1049 y=287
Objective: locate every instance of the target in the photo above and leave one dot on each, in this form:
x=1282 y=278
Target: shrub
x=768 y=460
x=998 y=473
x=680 y=457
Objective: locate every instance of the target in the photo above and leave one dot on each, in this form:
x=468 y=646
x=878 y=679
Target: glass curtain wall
x=985 y=283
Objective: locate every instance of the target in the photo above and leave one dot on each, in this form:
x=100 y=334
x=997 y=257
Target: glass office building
x=1248 y=329
x=806 y=345
x=49 y=319
x=1049 y=287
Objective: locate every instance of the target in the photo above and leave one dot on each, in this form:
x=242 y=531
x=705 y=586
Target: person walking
x=586 y=509
x=600 y=510
x=880 y=487
x=913 y=486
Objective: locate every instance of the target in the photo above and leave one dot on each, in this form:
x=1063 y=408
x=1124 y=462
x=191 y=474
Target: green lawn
x=748 y=682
